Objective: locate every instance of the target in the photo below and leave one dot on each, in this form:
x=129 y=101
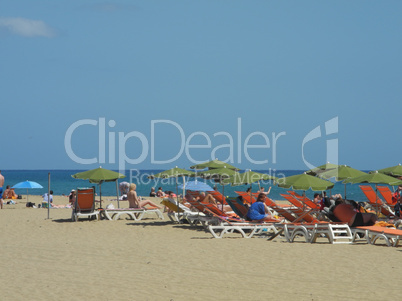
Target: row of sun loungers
x=298 y=219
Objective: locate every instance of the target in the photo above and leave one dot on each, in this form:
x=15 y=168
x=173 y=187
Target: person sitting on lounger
x=135 y=202
x=206 y=199
x=347 y=213
x=259 y=211
x=160 y=192
x=318 y=200
x=398 y=208
x=152 y=193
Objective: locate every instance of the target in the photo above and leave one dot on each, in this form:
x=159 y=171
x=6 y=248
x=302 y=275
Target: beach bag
x=30 y=204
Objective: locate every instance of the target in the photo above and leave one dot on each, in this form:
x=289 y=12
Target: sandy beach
x=152 y=259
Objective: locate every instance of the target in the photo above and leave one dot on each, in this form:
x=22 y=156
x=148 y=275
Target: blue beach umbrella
x=28 y=185
x=196 y=186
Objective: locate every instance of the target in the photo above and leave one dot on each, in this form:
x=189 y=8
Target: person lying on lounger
x=259 y=211
x=347 y=213
x=207 y=199
x=135 y=202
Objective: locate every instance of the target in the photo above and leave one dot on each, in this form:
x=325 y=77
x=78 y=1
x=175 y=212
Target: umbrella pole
x=48 y=196
x=251 y=194
x=117 y=194
x=345 y=191
x=177 y=201
x=376 y=201
x=223 y=193
x=184 y=186
x=100 y=194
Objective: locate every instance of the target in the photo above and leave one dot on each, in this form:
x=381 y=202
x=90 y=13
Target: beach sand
x=56 y=259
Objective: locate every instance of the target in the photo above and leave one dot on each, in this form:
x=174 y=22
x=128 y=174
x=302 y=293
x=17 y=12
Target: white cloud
x=27 y=27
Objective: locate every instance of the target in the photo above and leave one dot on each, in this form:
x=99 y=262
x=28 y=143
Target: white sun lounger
x=335 y=233
x=246 y=230
x=133 y=213
x=372 y=234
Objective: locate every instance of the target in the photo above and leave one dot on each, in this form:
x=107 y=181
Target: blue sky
x=208 y=69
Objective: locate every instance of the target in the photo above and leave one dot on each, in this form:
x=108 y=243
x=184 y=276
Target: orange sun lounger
x=391 y=236
x=387 y=195
x=375 y=201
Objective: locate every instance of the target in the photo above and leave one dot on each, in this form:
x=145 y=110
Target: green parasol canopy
x=342 y=172
x=98 y=176
x=392 y=171
x=217 y=173
x=174 y=172
x=213 y=164
x=304 y=182
x=321 y=168
x=374 y=178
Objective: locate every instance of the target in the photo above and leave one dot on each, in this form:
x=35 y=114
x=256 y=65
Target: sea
x=62 y=182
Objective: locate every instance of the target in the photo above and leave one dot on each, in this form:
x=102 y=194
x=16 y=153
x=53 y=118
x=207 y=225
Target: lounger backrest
x=197 y=205
x=370 y=194
x=302 y=214
x=292 y=200
x=310 y=203
x=218 y=196
x=85 y=199
x=215 y=210
x=374 y=200
x=291 y=192
x=194 y=194
x=171 y=206
x=238 y=203
x=386 y=194
x=281 y=211
x=246 y=197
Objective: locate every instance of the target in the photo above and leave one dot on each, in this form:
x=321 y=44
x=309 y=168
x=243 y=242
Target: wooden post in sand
x=117 y=194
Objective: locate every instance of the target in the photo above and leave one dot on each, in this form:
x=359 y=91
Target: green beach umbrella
x=342 y=172
x=304 y=182
x=217 y=173
x=174 y=172
x=213 y=164
x=374 y=178
x=321 y=168
x=395 y=171
x=98 y=176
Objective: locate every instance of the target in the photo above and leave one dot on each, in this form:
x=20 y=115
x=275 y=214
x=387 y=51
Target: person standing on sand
x=1 y=190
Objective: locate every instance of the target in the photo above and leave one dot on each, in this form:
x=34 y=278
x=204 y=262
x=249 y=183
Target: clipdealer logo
x=238 y=143
x=112 y=145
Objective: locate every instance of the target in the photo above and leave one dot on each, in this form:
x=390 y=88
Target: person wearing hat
x=71 y=197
